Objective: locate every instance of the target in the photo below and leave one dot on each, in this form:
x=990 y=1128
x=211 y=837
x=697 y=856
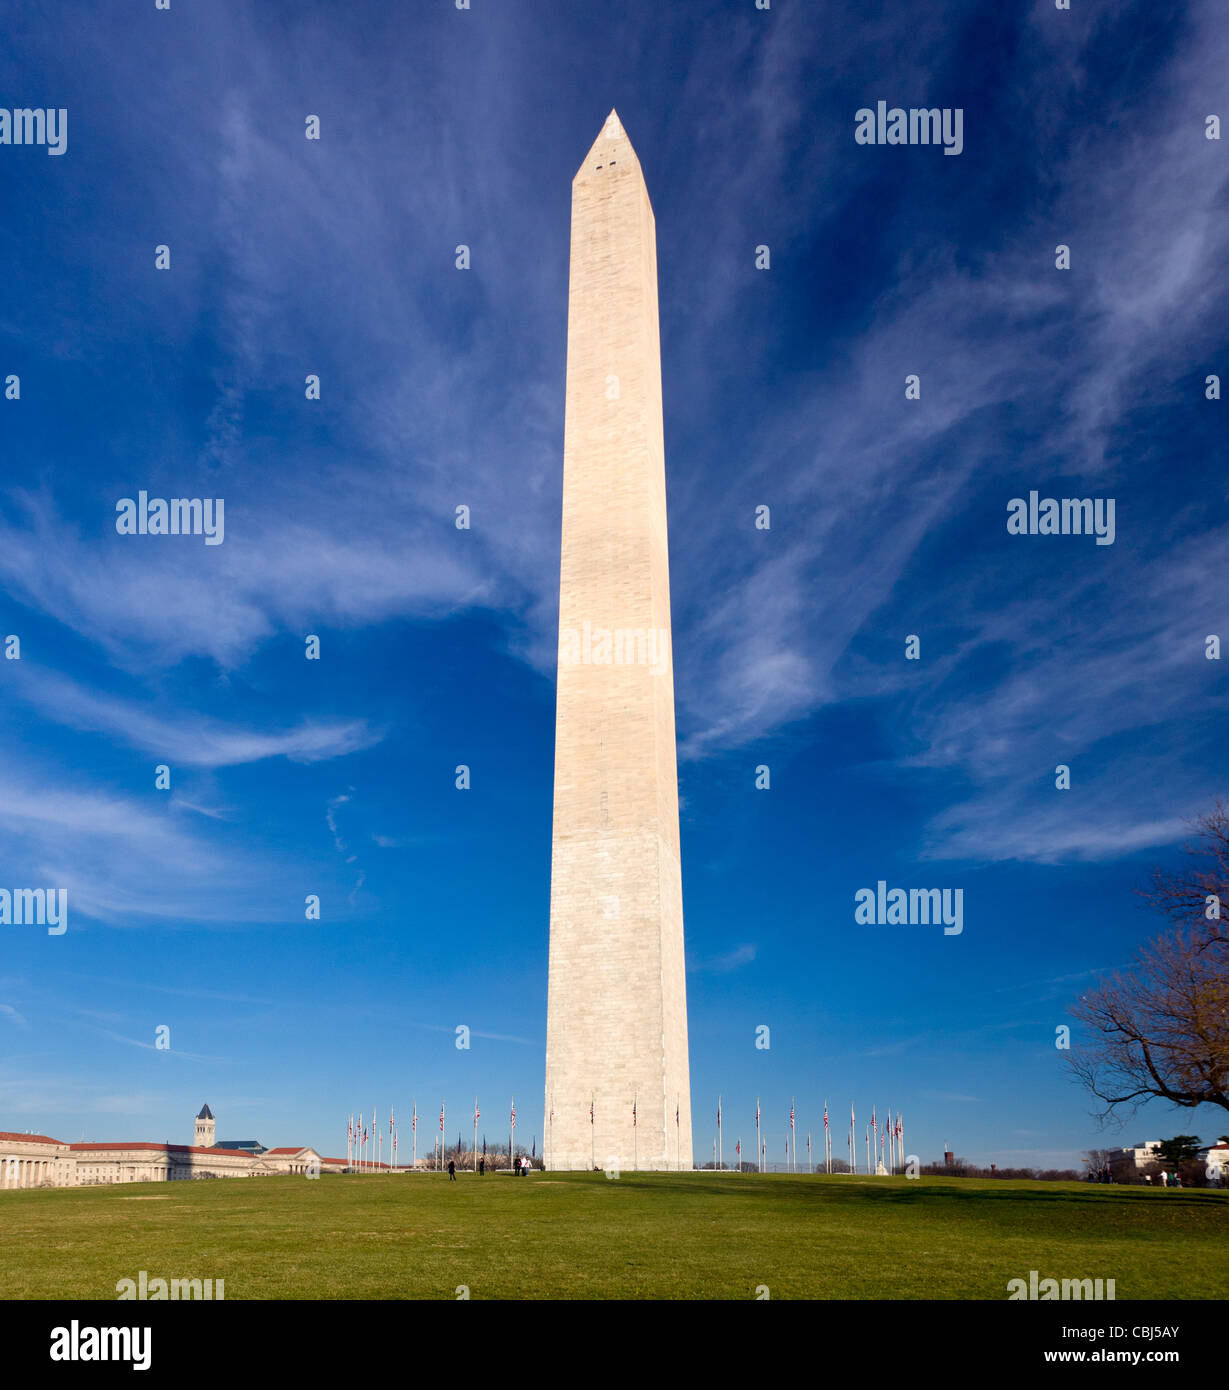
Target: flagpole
x=592 y=1139
x=827 y=1142
x=475 y=1134
x=759 y=1148
x=720 y=1154
x=414 y=1133
x=635 y=1139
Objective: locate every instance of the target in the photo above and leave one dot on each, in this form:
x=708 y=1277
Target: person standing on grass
x=452 y=1171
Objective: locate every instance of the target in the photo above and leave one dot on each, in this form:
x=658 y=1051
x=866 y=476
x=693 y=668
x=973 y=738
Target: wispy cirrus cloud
x=123 y=862
x=725 y=963
x=864 y=486
x=186 y=738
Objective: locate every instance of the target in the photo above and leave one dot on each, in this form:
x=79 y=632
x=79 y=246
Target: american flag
x=825 y=1114
x=791 y=1114
x=738 y=1149
x=441 y=1117
x=676 y=1114
x=477 y=1112
x=874 y=1122
x=757 y=1112
x=590 y=1112
x=414 y=1119
x=513 y=1112
x=364 y=1135
x=633 y=1114
x=394 y=1146
x=390 y=1119
x=718 y=1112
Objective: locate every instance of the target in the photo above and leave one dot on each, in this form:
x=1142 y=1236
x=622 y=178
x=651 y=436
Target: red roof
x=162 y=1148
x=9 y=1138
x=298 y=1150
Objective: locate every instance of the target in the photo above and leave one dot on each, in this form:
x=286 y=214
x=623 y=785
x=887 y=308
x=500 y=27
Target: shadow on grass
x=907 y=1192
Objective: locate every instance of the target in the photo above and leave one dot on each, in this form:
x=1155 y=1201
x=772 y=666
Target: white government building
x=35 y=1160
x=1214 y=1156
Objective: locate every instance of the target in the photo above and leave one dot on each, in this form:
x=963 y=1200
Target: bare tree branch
x=1160 y=1029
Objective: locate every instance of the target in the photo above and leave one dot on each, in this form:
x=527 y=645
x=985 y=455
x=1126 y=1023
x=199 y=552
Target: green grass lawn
x=577 y=1235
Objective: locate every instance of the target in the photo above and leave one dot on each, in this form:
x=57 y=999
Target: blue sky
x=442 y=387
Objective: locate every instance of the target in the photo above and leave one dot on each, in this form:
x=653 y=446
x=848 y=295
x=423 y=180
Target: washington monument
x=616 y=1028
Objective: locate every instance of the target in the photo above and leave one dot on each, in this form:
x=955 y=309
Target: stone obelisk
x=616 y=1031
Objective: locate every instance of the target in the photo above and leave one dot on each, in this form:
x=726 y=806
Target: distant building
x=37 y=1160
x=1137 y=1159
x=1128 y=1164
x=1216 y=1158
x=203 y=1137
x=247 y=1146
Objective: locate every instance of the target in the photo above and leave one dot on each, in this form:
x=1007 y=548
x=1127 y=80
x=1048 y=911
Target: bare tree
x=1161 y=1028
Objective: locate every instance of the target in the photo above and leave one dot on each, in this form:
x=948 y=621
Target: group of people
x=523 y=1166
x=1165 y=1179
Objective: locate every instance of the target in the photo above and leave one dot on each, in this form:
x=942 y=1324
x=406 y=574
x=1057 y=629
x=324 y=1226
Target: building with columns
x=37 y=1160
